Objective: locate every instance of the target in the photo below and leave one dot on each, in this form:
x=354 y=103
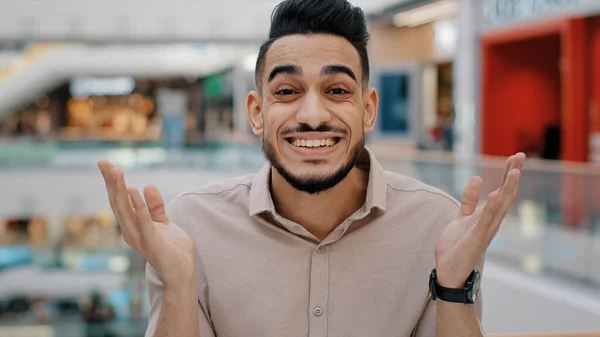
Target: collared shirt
x=261 y=275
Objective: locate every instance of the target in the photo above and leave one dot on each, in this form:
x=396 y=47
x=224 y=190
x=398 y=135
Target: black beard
x=314 y=184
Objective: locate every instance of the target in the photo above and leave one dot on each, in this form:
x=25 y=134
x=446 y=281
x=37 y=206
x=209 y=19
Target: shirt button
x=320 y=250
x=318 y=311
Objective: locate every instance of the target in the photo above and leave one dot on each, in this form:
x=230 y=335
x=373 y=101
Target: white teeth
x=313 y=143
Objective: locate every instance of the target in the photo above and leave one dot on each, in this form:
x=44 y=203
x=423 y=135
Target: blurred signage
x=83 y=87
x=220 y=85
x=497 y=12
x=213 y=86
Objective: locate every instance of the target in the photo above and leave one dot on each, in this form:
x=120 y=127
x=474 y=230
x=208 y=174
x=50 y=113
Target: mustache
x=301 y=128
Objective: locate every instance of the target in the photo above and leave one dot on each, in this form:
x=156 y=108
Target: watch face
x=475 y=285
x=432 y=285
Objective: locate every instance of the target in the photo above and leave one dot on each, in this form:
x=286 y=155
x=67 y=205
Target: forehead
x=312 y=52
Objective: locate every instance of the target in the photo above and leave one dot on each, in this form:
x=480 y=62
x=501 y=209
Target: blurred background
x=158 y=88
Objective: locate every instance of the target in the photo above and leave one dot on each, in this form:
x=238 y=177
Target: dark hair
x=334 y=17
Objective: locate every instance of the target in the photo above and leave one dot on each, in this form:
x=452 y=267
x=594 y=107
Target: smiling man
x=322 y=241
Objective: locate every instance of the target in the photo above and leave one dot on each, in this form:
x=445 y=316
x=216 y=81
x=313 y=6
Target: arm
x=178 y=310
x=455 y=319
x=173 y=311
x=463 y=244
x=443 y=319
x=172 y=270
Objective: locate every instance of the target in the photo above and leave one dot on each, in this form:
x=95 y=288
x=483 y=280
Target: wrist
x=181 y=293
x=447 y=280
x=465 y=291
x=183 y=287
x=451 y=283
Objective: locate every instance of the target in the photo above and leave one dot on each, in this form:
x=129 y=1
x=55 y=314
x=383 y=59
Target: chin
x=313 y=172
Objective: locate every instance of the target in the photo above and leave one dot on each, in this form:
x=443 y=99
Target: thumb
x=156 y=204
x=470 y=197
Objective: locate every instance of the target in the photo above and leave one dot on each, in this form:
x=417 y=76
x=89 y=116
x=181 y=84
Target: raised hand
x=148 y=230
x=464 y=242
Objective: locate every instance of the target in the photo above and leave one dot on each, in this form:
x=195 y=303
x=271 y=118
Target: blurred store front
x=412 y=53
x=540 y=79
x=110 y=110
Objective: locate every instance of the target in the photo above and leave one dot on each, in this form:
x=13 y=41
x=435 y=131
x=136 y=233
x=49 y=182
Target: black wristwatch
x=466 y=295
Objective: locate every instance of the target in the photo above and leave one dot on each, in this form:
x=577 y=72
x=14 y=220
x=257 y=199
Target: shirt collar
x=261 y=200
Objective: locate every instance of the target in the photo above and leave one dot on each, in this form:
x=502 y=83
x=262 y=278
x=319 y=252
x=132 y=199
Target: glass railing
x=552 y=229
x=213 y=157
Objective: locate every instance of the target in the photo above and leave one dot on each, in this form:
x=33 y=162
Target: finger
x=125 y=212
x=485 y=216
x=519 y=160
x=507 y=167
x=141 y=211
x=470 y=197
x=504 y=203
x=156 y=204
x=516 y=164
x=106 y=169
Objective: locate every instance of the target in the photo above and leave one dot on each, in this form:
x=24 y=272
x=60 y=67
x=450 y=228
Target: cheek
x=353 y=119
x=278 y=118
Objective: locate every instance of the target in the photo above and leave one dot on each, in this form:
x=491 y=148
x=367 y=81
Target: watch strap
x=452 y=295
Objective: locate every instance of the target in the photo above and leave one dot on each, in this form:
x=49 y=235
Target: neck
x=320 y=213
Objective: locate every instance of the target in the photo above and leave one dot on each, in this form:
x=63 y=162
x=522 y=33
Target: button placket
x=319 y=292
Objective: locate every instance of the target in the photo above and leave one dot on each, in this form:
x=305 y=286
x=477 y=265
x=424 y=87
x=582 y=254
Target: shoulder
x=404 y=186
x=234 y=191
x=222 y=188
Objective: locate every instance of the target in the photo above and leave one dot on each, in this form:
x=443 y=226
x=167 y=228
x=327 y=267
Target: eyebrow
x=326 y=71
x=338 y=69
x=285 y=69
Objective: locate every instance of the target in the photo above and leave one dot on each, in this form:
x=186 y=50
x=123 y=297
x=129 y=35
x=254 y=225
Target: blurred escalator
x=41 y=68
x=18 y=82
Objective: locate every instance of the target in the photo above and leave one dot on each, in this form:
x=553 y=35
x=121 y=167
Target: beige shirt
x=261 y=275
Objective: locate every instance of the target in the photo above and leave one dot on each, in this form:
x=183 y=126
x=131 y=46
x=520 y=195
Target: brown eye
x=285 y=92
x=338 y=91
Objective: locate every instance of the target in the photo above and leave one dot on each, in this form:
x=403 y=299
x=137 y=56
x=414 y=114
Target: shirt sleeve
x=155 y=291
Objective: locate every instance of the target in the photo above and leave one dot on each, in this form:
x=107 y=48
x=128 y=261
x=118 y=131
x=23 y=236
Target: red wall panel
x=521 y=94
x=532 y=77
x=575 y=91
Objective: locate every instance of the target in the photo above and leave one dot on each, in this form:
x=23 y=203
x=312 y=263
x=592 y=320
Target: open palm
x=147 y=228
x=464 y=242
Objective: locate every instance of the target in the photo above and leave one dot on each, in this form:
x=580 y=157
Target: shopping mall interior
x=160 y=91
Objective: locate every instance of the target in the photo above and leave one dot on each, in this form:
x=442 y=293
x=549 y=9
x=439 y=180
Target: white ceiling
x=144 y=20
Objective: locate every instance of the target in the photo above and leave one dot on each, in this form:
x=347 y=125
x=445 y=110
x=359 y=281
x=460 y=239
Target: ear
x=253 y=106
x=371 y=108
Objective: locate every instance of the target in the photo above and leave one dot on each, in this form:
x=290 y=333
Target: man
x=322 y=241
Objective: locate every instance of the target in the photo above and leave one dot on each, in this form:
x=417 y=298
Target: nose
x=313 y=111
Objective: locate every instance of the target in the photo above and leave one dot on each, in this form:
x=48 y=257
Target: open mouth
x=313 y=143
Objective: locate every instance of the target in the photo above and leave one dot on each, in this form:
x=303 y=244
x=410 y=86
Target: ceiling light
x=425 y=14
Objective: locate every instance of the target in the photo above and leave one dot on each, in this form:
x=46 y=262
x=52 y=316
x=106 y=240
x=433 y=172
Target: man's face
x=312 y=111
